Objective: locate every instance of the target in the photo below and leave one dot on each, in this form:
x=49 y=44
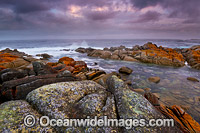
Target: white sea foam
x=55 y=51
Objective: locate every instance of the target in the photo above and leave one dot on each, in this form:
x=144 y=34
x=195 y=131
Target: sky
x=99 y=19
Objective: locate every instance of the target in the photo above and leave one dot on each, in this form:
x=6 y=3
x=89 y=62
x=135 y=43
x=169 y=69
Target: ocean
x=173 y=89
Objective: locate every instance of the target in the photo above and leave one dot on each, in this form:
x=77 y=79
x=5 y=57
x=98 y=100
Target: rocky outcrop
x=12 y=61
x=66 y=63
x=100 y=53
x=148 y=53
x=159 y=55
x=193 y=56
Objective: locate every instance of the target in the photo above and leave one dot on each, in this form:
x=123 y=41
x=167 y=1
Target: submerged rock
x=125 y=70
x=154 y=79
x=192 y=79
x=45 y=56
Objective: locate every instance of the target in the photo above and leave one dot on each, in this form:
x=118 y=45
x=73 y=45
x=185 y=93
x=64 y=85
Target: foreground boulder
x=132 y=105
x=12 y=116
x=74 y=100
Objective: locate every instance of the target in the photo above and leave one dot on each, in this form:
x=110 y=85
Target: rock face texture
x=11 y=61
x=80 y=99
x=12 y=116
x=193 y=57
x=132 y=105
x=159 y=55
x=74 y=100
x=19 y=88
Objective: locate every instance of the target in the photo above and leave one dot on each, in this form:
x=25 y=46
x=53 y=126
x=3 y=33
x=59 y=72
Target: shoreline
x=26 y=73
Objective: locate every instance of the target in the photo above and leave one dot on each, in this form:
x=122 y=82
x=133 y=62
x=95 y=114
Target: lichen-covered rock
x=132 y=105
x=12 y=116
x=93 y=74
x=11 y=61
x=193 y=57
x=74 y=100
x=159 y=55
x=67 y=63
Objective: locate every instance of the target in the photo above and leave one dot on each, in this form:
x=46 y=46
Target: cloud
x=148 y=17
x=100 y=15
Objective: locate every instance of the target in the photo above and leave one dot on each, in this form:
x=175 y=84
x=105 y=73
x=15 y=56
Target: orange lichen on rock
x=52 y=64
x=6 y=58
x=70 y=65
x=181 y=119
x=65 y=59
x=160 y=56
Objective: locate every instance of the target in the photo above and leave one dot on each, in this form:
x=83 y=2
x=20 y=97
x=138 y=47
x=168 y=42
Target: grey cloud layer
x=178 y=15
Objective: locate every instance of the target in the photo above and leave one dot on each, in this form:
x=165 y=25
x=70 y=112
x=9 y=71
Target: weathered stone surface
x=132 y=105
x=12 y=116
x=94 y=74
x=100 y=53
x=129 y=58
x=19 y=88
x=67 y=63
x=154 y=79
x=11 y=61
x=42 y=69
x=10 y=74
x=74 y=100
x=125 y=70
x=159 y=55
x=193 y=56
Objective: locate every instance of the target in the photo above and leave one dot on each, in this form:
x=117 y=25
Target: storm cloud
x=179 y=18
